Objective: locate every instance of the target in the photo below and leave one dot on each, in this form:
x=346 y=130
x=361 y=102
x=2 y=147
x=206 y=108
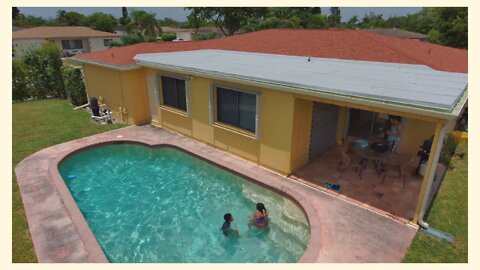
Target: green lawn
x=37 y=125
x=449 y=213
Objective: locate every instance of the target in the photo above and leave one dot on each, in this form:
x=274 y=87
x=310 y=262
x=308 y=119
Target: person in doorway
x=394 y=132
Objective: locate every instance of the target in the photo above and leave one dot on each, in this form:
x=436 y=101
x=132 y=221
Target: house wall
x=285 y=118
x=97 y=44
x=271 y=150
x=85 y=43
x=302 y=124
x=123 y=92
x=414 y=133
x=22 y=45
x=186 y=36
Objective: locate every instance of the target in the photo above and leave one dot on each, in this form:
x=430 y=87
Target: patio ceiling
x=410 y=85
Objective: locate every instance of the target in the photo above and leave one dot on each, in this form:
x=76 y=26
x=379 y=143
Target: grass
x=37 y=125
x=448 y=213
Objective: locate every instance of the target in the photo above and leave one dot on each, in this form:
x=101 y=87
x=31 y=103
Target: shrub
x=75 y=86
x=448 y=150
x=19 y=82
x=169 y=36
x=205 y=36
x=132 y=38
x=43 y=71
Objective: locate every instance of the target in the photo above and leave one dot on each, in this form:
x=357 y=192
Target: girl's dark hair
x=261 y=207
x=227 y=217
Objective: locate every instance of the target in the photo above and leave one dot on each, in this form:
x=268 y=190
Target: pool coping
x=84 y=247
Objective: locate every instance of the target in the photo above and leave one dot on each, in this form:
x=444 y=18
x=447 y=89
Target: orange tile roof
x=326 y=43
x=59 y=32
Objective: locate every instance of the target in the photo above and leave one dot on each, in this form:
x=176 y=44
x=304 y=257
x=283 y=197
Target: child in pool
x=260 y=217
x=226 y=225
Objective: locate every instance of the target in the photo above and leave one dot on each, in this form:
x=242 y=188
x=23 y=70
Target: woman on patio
x=393 y=132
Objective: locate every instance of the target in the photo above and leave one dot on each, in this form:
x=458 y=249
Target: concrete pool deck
x=341 y=231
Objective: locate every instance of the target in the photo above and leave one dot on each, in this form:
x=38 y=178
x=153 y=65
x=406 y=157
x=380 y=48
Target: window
x=236 y=108
x=72 y=44
x=106 y=42
x=174 y=93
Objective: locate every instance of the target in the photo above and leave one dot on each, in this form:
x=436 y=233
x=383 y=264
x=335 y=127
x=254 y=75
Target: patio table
x=367 y=154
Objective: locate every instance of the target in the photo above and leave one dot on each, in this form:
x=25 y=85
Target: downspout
x=424 y=227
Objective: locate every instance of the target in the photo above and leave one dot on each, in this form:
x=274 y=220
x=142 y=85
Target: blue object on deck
x=72 y=176
x=361 y=143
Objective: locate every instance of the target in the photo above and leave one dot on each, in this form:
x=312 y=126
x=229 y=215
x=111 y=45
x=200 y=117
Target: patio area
x=388 y=197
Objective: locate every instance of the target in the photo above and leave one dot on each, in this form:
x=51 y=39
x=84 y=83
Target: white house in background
x=186 y=34
x=71 y=39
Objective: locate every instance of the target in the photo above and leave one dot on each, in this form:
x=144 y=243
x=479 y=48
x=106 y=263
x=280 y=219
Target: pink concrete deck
x=389 y=197
x=340 y=230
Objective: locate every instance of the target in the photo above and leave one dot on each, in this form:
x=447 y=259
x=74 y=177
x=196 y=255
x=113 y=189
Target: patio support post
x=429 y=174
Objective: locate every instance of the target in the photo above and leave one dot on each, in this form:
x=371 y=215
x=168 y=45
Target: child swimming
x=226 y=225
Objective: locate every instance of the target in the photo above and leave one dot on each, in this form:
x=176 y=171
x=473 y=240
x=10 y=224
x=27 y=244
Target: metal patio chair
x=398 y=168
x=347 y=162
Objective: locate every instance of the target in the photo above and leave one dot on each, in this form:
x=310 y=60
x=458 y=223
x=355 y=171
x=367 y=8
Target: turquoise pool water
x=164 y=205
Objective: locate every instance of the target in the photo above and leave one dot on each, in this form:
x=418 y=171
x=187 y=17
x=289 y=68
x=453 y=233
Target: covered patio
x=390 y=197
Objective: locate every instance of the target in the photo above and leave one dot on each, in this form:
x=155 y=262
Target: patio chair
x=346 y=162
x=398 y=168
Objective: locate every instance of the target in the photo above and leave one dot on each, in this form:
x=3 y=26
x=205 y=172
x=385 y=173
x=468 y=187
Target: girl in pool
x=260 y=217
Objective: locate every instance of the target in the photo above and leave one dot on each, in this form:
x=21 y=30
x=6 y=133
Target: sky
x=178 y=14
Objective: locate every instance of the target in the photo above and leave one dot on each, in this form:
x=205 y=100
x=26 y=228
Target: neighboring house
x=281 y=98
x=71 y=39
x=399 y=33
x=187 y=34
x=121 y=30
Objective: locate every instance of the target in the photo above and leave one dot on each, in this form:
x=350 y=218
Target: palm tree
x=145 y=23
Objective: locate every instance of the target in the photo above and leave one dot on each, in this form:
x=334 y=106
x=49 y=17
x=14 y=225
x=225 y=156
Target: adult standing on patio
x=394 y=132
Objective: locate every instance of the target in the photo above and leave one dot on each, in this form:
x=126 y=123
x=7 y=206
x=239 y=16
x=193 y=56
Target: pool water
x=163 y=205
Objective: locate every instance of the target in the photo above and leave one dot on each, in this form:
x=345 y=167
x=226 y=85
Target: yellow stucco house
x=280 y=98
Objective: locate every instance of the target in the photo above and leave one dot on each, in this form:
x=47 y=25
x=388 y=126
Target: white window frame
x=185 y=78
x=212 y=92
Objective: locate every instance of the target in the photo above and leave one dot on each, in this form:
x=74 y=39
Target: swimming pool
x=163 y=205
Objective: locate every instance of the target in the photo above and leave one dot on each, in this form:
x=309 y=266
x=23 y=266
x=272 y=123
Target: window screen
x=174 y=93
x=236 y=108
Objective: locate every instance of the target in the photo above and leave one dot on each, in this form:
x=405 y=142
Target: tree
x=317 y=21
x=453 y=26
x=169 y=22
x=195 y=20
x=43 y=71
x=70 y=18
x=15 y=12
x=102 y=22
x=19 y=82
x=372 y=20
x=144 y=23
x=53 y=57
x=229 y=19
x=75 y=86
x=125 y=19
x=334 y=18
x=28 y=21
x=132 y=38
x=353 y=22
